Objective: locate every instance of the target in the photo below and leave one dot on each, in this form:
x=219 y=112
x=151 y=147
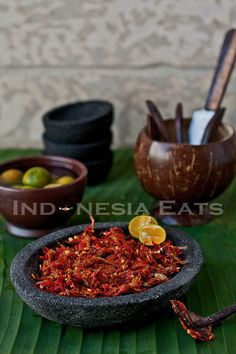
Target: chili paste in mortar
x=110 y=263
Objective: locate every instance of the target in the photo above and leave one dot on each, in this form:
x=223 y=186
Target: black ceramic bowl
x=79 y=122
x=99 y=170
x=104 y=311
x=83 y=152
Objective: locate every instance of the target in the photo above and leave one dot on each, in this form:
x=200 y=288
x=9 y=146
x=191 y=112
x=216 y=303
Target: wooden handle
x=213 y=125
x=179 y=123
x=223 y=71
x=158 y=120
x=151 y=128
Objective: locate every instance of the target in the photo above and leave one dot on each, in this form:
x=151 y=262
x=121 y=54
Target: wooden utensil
x=159 y=121
x=202 y=117
x=179 y=123
x=223 y=71
x=152 y=129
x=200 y=327
x=212 y=125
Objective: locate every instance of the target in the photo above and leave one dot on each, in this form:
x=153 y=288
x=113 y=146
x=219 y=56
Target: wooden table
x=24 y=332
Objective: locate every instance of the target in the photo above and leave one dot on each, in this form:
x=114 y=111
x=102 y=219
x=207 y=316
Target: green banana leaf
x=24 y=332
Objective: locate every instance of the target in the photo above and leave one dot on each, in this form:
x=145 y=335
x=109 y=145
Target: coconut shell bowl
x=184 y=178
x=35 y=212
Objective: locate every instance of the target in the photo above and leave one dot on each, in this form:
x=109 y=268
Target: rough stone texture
x=103 y=311
x=58 y=51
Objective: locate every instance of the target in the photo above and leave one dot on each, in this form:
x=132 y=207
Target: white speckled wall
x=55 y=51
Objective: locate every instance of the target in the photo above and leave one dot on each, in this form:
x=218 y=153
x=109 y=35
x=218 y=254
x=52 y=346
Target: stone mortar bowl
x=47 y=209
x=184 y=173
x=82 y=152
x=79 y=122
x=103 y=311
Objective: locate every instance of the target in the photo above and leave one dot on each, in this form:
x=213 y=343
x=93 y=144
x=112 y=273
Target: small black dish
x=103 y=311
x=99 y=170
x=83 y=151
x=79 y=122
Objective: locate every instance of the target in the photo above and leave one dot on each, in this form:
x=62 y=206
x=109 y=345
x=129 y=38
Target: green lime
x=10 y=177
x=65 y=180
x=18 y=186
x=37 y=177
x=52 y=185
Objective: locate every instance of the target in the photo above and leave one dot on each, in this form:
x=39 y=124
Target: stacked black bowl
x=82 y=130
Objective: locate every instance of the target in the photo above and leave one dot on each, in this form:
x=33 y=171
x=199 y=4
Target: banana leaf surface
x=24 y=332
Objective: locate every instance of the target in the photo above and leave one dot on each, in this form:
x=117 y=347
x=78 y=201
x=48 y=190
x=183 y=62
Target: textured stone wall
x=55 y=51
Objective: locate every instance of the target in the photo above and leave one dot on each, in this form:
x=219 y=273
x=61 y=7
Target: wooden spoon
x=179 y=123
x=200 y=327
x=213 y=125
x=152 y=129
x=159 y=121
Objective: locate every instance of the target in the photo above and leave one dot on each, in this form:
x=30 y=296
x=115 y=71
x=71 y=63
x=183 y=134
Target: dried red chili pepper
x=108 y=264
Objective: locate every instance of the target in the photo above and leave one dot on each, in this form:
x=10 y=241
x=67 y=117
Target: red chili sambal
x=110 y=263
